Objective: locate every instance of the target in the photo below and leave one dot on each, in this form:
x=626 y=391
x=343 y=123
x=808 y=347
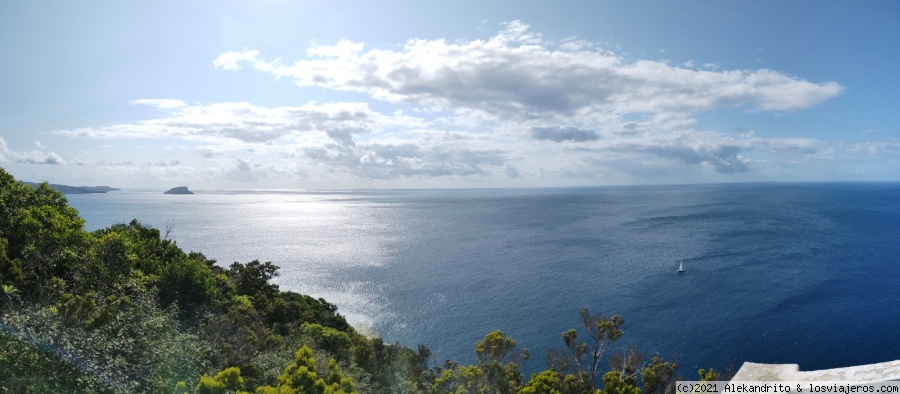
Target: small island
x=179 y=190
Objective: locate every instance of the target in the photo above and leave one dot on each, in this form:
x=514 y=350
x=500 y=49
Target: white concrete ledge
x=889 y=370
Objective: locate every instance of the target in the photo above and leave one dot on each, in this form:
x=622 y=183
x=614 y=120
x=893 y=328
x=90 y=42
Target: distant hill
x=66 y=189
x=179 y=190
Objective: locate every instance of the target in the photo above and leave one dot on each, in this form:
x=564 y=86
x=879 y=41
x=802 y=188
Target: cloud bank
x=246 y=123
x=512 y=107
x=518 y=75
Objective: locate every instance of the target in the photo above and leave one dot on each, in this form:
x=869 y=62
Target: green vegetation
x=123 y=309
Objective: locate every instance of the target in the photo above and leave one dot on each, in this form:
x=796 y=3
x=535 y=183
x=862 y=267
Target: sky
x=277 y=94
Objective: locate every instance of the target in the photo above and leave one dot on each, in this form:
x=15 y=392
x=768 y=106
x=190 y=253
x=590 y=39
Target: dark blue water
x=776 y=273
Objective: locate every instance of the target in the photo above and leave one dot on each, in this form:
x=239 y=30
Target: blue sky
x=343 y=94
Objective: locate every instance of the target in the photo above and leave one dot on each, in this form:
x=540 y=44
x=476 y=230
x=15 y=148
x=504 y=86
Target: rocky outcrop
x=179 y=190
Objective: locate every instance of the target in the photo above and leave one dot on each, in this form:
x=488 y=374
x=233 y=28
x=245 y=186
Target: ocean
x=775 y=273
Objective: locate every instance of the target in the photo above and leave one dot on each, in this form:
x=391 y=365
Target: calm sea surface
x=776 y=273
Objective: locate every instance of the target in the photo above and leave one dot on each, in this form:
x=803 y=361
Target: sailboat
x=681 y=267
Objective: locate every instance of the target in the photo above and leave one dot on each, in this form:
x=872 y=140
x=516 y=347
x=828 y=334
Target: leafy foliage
x=139 y=347
x=237 y=337
x=498 y=369
x=227 y=379
x=615 y=383
x=302 y=377
x=42 y=236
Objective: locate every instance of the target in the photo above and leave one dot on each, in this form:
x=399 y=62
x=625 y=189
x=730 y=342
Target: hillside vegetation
x=124 y=309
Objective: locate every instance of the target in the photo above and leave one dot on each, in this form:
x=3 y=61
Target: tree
x=237 y=337
x=583 y=360
x=392 y=366
x=615 y=383
x=10 y=269
x=546 y=382
x=628 y=364
x=659 y=377
x=336 y=382
x=287 y=311
x=252 y=279
x=227 y=379
x=708 y=376
x=302 y=377
x=497 y=371
x=500 y=360
x=496 y=347
x=188 y=283
x=335 y=342
x=44 y=236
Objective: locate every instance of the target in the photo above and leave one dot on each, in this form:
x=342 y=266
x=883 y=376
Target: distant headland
x=179 y=190
x=66 y=189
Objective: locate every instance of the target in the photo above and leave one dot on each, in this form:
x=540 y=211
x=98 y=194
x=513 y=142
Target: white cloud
x=675 y=154
x=28 y=157
x=247 y=123
x=517 y=75
x=889 y=146
x=164 y=163
x=4 y=150
x=246 y=164
x=52 y=158
x=410 y=159
x=38 y=157
x=231 y=60
x=722 y=157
